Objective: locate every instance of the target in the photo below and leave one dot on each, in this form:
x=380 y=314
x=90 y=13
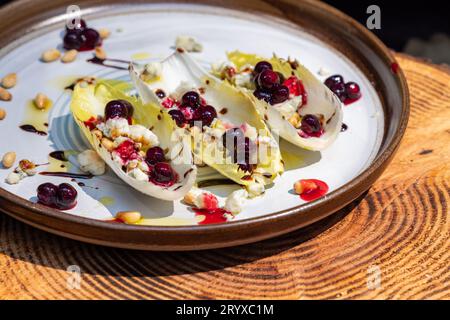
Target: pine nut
x=41 y=101
x=69 y=56
x=298 y=187
x=8 y=159
x=100 y=53
x=104 y=33
x=304 y=185
x=5 y=95
x=9 y=80
x=107 y=144
x=129 y=217
x=51 y=55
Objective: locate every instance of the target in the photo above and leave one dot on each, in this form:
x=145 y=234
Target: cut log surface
x=393 y=243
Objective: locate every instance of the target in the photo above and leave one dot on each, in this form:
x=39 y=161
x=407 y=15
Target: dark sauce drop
x=32 y=129
x=58 y=155
x=101 y=62
x=344 y=127
x=67 y=175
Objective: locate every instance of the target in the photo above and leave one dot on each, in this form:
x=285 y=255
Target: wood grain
x=401 y=226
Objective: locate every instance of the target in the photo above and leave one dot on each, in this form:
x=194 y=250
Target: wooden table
x=393 y=243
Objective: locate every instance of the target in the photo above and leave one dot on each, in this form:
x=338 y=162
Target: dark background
x=402 y=20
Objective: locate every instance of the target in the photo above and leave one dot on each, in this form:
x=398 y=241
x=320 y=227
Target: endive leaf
x=89 y=101
x=179 y=74
x=321 y=101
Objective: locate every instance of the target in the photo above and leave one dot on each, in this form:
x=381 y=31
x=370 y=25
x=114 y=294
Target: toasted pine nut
x=304 y=185
x=298 y=187
x=129 y=217
x=100 y=53
x=104 y=33
x=8 y=159
x=107 y=144
x=41 y=101
x=69 y=56
x=2 y=113
x=189 y=198
x=9 y=80
x=51 y=55
x=5 y=95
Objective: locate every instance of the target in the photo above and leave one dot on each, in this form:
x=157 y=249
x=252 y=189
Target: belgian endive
x=136 y=140
x=288 y=96
x=227 y=131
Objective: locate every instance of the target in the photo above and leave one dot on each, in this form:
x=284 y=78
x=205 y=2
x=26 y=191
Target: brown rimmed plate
x=320 y=36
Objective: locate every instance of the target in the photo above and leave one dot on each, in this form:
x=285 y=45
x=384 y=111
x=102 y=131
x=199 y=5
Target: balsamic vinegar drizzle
x=101 y=62
x=67 y=175
x=214 y=182
x=59 y=155
x=32 y=129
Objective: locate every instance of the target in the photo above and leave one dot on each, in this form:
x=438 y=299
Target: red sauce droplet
x=91 y=123
x=211 y=215
x=395 y=67
x=313 y=194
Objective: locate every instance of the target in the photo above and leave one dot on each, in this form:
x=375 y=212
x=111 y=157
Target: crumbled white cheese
x=138 y=174
x=324 y=72
x=245 y=80
x=116 y=127
x=152 y=71
x=288 y=108
x=236 y=200
x=91 y=162
x=255 y=189
x=143 y=135
x=228 y=216
x=182 y=88
x=188 y=43
x=14 y=178
x=142 y=165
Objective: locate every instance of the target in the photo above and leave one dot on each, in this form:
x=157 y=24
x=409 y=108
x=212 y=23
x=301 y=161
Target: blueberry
x=46 y=194
x=66 y=196
x=262 y=65
x=333 y=80
x=310 y=124
x=155 y=155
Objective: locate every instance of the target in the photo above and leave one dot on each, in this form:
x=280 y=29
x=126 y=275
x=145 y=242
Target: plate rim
x=20 y=208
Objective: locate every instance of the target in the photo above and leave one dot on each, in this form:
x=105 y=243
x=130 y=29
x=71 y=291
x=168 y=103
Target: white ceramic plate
x=144 y=33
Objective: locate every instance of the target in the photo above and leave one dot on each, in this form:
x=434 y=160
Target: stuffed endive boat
x=288 y=96
x=228 y=134
x=135 y=140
